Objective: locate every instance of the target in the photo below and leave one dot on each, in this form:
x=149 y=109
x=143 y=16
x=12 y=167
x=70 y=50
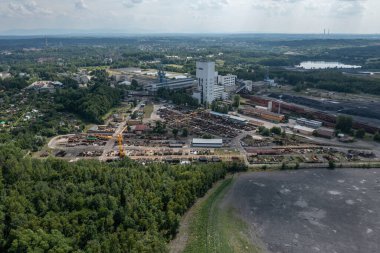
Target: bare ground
x=311 y=210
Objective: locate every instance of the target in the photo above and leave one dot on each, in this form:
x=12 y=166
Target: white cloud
x=81 y=5
x=131 y=3
x=208 y=4
x=301 y=16
x=338 y=8
x=27 y=8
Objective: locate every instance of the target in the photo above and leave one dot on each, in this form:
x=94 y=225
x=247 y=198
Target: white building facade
x=228 y=80
x=206 y=81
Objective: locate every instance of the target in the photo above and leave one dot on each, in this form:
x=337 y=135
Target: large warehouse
x=207 y=143
x=175 y=84
x=235 y=119
x=309 y=123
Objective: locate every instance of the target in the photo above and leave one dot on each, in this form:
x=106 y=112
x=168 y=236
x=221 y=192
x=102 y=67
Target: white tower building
x=206 y=80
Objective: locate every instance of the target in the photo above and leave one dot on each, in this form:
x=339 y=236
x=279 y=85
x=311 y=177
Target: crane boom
x=119 y=139
x=120 y=144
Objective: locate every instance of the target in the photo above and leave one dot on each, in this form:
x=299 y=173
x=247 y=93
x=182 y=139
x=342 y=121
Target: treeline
x=88 y=206
x=178 y=97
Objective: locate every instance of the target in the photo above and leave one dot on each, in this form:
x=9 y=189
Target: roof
x=141 y=128
x=125 y=83
x=228 y=116
x=208 y=141
x=238 y=118
x=309 y=121
x=218 y=114
x=326 y=130
x=94 y=128
x=303 y=128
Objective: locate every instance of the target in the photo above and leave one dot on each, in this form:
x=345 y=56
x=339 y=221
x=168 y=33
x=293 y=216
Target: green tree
x=236 y=101
x=344 y=124
x=134 y=84
x=360 y=133
x=134 y=115
x=175 y=132
x=264 y=131
x=332 y=164
x=185 y=132
x=276 y=130
x=376 y=137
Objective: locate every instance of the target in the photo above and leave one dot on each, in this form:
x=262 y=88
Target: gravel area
x=311 y=210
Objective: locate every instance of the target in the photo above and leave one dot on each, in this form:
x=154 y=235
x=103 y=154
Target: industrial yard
x=179 y=135
x=165 y=116
x=263 y=131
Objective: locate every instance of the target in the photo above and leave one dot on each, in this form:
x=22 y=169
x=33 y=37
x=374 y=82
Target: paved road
x=120 y=129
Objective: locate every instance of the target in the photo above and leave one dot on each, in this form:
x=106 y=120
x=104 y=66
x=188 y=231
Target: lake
x=325 y=65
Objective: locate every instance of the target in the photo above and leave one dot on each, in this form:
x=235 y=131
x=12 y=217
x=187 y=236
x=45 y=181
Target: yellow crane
x=119 y=140
x=120 y=144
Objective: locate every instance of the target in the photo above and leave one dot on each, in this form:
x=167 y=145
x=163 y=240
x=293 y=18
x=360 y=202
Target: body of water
x=325 y=65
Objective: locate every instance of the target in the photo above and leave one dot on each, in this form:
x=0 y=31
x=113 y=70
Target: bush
x=344 y=124
x=360 y=134
x=264 y=131
x=376 y=137
x=276 y=130
x=332 y=164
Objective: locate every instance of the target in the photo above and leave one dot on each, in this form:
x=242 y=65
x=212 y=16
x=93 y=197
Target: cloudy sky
x=192 y=16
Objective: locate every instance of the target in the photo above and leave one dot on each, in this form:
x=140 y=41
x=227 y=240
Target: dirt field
x=311 y=210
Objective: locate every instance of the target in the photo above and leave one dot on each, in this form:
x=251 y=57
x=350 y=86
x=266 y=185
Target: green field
x=216 y=229
x=148 y=110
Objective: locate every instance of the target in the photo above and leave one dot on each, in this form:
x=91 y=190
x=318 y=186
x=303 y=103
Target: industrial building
x=207 y=143
x=175 y=84
x=228 y=80
x=309 y=123
x=304 y=130
x=325 y=133
x=234 y=119
x=263 y=114
x=212 y=86
x=49 y=86
x=205 y=74
x=220 y=93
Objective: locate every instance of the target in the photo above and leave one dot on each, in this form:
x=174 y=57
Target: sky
x=191 y=16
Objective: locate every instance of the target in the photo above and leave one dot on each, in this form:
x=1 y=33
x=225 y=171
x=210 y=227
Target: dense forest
x=88 y=206
x=92 y=103
x=178 y=97
x=13 y=83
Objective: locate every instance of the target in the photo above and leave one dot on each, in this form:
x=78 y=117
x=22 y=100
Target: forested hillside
x=56 y=206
